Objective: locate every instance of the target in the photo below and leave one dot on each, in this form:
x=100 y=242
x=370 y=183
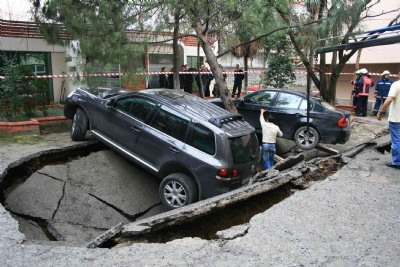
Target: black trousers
x=237 y=85
x=362 y=105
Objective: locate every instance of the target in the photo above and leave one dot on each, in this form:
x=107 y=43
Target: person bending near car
x=269 y=133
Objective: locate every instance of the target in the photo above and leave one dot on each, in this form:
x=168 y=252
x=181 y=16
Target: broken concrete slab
x=104 y=237
x=201 y=208
x=116 y=181
x=32 y=230
x=78 y=207
x=9 y=228
x=59 y=172
x=38 y=197
x=74 y=233
x=233 y=232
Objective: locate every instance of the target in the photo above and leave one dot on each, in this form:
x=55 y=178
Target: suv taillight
x=227 y=174
x=343 y=122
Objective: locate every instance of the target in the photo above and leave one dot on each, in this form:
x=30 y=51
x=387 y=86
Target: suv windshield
x=244 y=148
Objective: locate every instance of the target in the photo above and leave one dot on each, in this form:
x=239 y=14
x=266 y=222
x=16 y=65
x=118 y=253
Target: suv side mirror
x=110 y=103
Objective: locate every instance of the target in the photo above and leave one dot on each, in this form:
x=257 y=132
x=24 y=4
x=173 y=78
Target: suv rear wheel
x=306 y=139
x=178 y=190
x=79 y=126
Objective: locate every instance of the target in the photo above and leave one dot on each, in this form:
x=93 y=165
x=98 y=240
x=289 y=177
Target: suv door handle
x=173 y=150
x=136 y=129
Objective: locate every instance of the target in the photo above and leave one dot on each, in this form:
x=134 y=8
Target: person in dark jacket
x=353 y=93
x=381 y=91
x=162 y=78
x=362 y=91
x=182 y=77
x=171 y=79
x=188 y=80
x=237 y=81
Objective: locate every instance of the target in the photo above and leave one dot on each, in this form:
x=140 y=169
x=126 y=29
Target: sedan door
x=250 y=106
x=288 y=111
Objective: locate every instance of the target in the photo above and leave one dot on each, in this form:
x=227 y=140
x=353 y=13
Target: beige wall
x=375 y=59
x=58 y=67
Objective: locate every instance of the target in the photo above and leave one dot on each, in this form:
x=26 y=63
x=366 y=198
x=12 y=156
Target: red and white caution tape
x=157 y=73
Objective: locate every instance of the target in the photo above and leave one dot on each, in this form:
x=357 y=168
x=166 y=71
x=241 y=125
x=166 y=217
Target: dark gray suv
x=198 y=150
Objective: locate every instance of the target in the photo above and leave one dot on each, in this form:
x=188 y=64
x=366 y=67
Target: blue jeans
x=268 y=153
x=394 y=128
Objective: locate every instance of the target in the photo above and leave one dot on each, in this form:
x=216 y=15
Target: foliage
x=324 y=23
x=99 y=26
x=18 y=93
x=280 y=63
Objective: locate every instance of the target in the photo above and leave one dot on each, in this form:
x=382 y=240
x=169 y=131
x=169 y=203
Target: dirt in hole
x=207 y=226
x=324 y=169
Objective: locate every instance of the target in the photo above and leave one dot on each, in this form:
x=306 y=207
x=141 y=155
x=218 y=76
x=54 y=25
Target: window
x=38 y=62
x=244 y=149
x=169 y=123
x=289 y=101
x=139 y=108
x=192 y=61
x=203 y=139
x=262 y=98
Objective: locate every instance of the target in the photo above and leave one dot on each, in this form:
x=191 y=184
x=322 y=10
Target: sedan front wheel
x=306 y=139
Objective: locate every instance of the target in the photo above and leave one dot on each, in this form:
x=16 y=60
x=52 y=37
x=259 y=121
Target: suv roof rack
x=218 y=121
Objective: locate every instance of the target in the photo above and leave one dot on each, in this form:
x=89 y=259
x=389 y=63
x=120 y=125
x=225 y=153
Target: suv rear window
x=244 y=148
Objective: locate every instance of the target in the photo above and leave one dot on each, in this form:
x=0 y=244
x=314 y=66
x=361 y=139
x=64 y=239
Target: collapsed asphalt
x=349 y=219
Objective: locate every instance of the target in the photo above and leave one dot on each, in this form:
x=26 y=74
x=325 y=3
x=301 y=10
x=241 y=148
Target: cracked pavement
x=94 y=192
x=349 y=219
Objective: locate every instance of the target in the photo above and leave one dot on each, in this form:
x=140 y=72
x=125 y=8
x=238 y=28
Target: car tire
x=79 y=126
x=304 y=140
x=178 y=190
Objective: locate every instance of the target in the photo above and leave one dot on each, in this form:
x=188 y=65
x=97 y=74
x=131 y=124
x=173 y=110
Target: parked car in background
x=197 y=149
x=288 y=110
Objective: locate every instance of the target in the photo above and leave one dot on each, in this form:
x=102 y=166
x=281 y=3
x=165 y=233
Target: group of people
x=203 y=81
x=361 y=88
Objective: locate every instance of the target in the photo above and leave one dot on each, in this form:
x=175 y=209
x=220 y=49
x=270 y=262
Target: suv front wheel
x=80 y=124
x=178 y=190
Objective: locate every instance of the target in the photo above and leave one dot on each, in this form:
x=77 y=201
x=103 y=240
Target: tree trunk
x=246 y=76
x=215 y=69
x=175 y=48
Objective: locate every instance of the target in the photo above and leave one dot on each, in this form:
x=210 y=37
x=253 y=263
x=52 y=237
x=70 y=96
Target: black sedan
x=288 y=110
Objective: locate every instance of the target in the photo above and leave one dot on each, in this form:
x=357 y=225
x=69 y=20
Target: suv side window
x=203 y=139
x=136 y=107
x=168 y=122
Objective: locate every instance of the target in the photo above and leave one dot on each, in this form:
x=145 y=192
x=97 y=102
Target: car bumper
x=341 y=136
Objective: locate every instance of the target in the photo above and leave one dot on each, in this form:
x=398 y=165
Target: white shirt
x=394 y=111
x=269 y=131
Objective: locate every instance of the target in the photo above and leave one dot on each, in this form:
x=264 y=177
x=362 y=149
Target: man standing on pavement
x=269 y=133
x=393 y=100
x=381 y=91
x=363 y=84
x=237 y=81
